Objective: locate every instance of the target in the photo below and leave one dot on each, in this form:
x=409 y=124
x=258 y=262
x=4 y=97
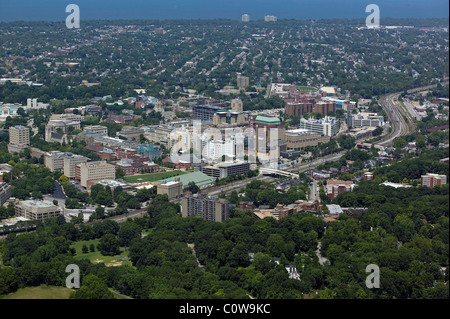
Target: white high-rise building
x=328 y=126
x=245 y=18
x=269 y=18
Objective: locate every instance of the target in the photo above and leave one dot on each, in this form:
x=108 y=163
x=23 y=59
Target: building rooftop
x=37 y=203
x=267 y=119
x=199 y=178
x=335 y=209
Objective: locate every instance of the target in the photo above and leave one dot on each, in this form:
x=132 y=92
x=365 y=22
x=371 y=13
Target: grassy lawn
x=40 y=292
x=306 y=88
x=97 y=257
x=152 y=177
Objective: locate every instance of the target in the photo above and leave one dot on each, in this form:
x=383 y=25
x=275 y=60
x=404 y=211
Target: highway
x=400 y=118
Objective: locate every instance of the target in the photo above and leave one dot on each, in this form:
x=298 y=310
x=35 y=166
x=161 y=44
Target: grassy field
x=40 y=292
x=97 y=257
x=306 y=88
x=152 y=177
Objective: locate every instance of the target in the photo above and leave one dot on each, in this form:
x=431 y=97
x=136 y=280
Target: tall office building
x=243 y=81
x=19 y=135
x=209 y=208
x=19 y=138
x=245 y=18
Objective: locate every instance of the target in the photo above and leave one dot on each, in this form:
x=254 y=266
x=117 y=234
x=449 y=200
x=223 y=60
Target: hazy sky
x=11 y=10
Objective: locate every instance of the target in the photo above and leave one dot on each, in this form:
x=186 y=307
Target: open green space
x=97 y=257
x=40 y=292
x=306 y=88
x=152 y=177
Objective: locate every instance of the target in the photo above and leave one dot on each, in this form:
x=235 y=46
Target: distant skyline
x=54 y=10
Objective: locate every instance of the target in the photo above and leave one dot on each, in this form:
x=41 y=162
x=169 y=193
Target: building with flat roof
x=5 y=169
x=37 y=209
x=205 y=113
x=242 y=81
x=19 y=138
x=131 y=132
x=94 y=171
x=96 y=129
x=300 y=138
x=237 y=105
x=432 y=180
x=224 y=169
x=328 y=126
x=245 y=18
x=200 y=179
x=336 y=187
x=173 y=189
x=365 y=119
x=209 y=208
x=63 y=161
x=327 y=91
x=160 y=134
x=266 y=137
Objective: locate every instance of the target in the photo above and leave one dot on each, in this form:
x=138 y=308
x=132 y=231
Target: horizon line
x=233 y=19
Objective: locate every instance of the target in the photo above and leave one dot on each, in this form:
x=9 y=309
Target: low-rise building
x=300 y=138
x=5 y=169
x=432 y=180
x=37 y=209
x=336 y=187
x=328 y=126
x=224 y=169
x=173 y=189
x=365 y=119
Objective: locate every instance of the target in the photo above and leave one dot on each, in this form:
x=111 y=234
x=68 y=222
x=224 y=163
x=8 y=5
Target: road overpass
x=272 y=171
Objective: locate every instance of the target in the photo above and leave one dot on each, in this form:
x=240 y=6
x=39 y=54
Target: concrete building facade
x=299 y=139
x=173 y=189
x=5 y=192
x=209 y=208
x=93 y=171
x=19 y=138
x=37 y=209
x=432 y=180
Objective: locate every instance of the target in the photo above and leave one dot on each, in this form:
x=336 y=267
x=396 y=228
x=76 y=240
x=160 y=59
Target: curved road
x=401 y=120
